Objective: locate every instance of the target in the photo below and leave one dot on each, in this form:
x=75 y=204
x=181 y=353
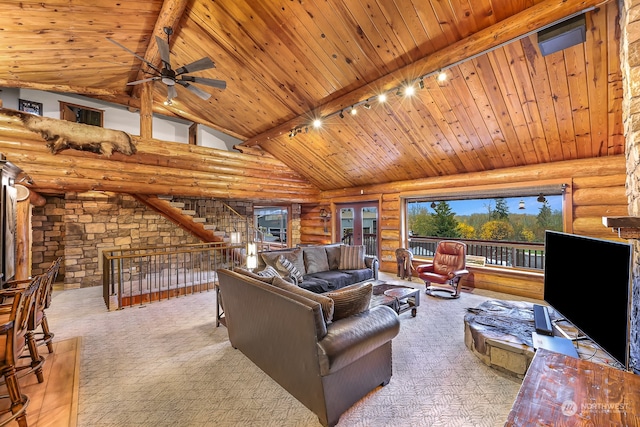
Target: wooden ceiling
x=288 y=62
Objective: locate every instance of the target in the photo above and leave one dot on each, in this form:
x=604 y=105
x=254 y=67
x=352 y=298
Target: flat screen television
x=588 y=282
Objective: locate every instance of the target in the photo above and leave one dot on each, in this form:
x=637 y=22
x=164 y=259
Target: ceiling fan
x=170 y=77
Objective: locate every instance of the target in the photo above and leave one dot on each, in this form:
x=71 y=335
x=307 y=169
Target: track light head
x=421 y=84
x=341 y=115
x=367 y=106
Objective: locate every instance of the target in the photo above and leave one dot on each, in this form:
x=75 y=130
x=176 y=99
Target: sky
x=532 y=207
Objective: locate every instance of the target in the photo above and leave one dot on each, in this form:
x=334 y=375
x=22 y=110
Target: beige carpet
x=166 y=364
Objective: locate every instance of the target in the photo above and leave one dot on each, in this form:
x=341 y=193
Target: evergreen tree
x=501 y=211
x=544 y=216
x=444 y=221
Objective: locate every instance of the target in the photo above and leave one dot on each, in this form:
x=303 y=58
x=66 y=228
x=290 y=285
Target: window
x=80 y=114
x=272 y=223
x=504 y=230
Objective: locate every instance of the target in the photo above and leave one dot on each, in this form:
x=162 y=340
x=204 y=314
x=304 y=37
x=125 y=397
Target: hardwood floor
x=54 y=402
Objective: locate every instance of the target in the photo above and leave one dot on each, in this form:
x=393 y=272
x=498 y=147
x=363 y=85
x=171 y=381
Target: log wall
x=596 y=188
x=158 y=167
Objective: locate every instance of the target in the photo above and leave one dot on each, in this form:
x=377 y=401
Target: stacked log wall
x=158 y=167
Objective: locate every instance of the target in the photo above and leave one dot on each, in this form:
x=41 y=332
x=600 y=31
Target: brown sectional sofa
x=289 y=333
x=320 y=266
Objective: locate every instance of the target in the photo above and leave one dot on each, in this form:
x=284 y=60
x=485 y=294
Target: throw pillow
x=265 y=279
x=333 y=256
x=325 y=302
x=350 y=300
x=268 y=272
x=315 y=259
x=352 y=257
x=286 y=265
x=295 y=256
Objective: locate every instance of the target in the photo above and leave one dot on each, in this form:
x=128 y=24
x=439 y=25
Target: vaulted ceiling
x=287 y=63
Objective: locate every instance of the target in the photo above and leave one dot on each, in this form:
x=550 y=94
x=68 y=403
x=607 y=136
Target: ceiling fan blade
x=137 y=82
x=199 y=65
x=134 y=54
x=163 y=48
x=171 y=92
x=202 y=94
x=220 y=84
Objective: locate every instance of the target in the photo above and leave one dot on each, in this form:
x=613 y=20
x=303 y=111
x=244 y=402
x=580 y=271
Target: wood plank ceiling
x=287 y=63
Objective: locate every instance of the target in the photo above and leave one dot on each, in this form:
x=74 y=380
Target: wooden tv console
x=559 y=390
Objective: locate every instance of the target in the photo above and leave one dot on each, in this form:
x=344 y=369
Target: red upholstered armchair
x=447 y=269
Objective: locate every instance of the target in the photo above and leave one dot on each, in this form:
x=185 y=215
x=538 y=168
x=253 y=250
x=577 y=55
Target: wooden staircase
x=208 y=220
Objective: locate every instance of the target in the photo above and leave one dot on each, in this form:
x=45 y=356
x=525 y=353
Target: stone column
x=630 y=62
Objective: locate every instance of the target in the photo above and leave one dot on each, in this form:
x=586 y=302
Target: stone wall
x=48 y=236
x=630 y=60
x=78 y=226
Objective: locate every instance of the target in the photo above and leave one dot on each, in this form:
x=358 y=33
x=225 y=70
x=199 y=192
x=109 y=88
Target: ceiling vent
x=563 y=35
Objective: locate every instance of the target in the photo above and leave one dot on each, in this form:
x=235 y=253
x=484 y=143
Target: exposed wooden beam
x=535 y=17
x=50 y=87
x=169 y=16
x=146 y=110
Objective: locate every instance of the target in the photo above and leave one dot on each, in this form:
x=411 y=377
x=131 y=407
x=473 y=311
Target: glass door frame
x=357 y=221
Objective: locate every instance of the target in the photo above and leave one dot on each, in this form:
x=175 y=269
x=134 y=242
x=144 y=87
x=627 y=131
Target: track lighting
x=421 y=84
x=367 y=106
x=292 y=133
x=442 y=76
x=409 y=90
x=382 y=97
x=353 y=111
x=399 y=92
x=317 y=123
x=341 y=114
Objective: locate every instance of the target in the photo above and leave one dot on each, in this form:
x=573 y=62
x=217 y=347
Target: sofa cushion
x=350 y=300
x=360 y=275
x=283 y=264
x=352 y=257
x=295 y=256
x=333 y=256
x=335 y=279
x=325 y=302
x=315 y=259
x=315 y=284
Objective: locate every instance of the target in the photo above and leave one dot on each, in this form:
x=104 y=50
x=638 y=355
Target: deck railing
x=146 y=274
x=507 y=254
x=369 y=240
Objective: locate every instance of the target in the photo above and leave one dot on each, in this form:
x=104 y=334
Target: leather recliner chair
x=447 y=268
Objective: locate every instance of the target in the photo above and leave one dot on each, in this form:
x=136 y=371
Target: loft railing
x=138 y=276
x=506 y=254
